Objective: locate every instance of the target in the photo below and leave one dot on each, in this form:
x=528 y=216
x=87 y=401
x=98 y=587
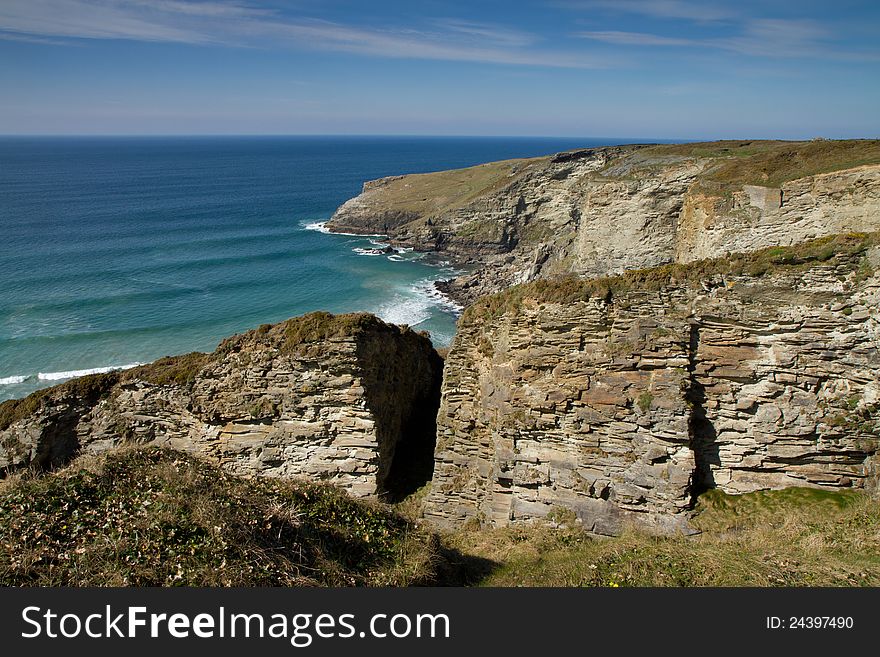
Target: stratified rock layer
x=616 y=400
x=324 y=397
x=607 y=210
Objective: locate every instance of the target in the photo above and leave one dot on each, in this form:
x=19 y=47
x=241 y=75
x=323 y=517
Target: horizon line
x=628 y=139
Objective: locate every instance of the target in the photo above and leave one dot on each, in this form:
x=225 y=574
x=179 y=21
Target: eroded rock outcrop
x=618 y=399
x=326 y=397
x=607 y=210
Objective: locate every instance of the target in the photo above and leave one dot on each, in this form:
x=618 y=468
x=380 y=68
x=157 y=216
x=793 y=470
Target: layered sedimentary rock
x=324 y=397
x=618 y=399
x=569 y=396
x=607 y=210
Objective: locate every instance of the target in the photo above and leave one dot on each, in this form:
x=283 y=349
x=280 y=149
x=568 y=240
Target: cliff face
x=329 y=398
x=603 y=211
x=618 y=399
x=573 y=394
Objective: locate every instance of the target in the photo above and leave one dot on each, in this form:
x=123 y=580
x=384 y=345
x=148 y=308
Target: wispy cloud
x=787 y=38
x=450 y=45
x=488 y=33
x=668 y=9
x=636 y=39
x=239 y=24
x=90 y=20
x=26 y=38
x=779 y=38
x=213 y=9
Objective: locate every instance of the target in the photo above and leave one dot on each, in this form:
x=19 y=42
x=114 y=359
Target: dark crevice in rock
x=413 y=463
x=702 y=435
x=59 y=443
x=402 y=390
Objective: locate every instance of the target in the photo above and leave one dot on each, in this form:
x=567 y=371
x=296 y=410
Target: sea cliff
x=331 y=398
x=618 y=400
x=644 y=323
x=603 y=211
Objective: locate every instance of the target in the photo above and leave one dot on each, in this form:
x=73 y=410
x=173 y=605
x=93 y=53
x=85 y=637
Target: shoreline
x=42 y=380
x=442 y=285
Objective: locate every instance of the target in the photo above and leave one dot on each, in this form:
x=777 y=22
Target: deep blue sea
x=118 y=251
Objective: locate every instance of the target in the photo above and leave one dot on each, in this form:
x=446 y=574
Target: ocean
x=117 y=251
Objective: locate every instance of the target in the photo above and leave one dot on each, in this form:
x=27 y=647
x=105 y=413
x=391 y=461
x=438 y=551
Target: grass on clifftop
x=736 y=163
x=288 y=336
x=430 y=194
x=794 y=537
x=772 y=163
x=89 y=388
x=570 y=289
x=154 y=517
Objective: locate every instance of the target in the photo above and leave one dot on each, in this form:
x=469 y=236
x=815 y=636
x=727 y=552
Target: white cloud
x=214 y=9
x=636 y=39
x=488 y=33
x=238 y=24
x=90 y=20
x=411 y=44
x=669 y=9
x=786 y=38
x=26 y=38
x=768 y=38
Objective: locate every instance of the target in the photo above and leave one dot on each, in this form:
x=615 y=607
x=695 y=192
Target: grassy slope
x=157 y=517
x=150 y=516
x=795 y=537
x=772 y=163
x=431 y=194
x=768 y=163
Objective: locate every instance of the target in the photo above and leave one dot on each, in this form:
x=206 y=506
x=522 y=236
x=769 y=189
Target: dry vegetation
x=321 y=326
x=182 y=370
x=772 y=163
x=796 y=537
x=88 y=388
x=171 y=370
x=153 y=517
x=431 y=194
x=569 y=289
x=148 y=516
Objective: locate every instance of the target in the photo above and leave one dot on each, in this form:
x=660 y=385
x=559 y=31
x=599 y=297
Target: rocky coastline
x=643 y=323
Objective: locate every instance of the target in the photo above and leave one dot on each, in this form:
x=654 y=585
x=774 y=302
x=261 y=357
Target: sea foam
x=368 y=252
x=321 y=227
x=402 y=309
x=413 y=305
x=58 y=376
x=12 y=380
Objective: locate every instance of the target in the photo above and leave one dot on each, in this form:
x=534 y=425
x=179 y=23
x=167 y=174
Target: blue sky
x=601 y=68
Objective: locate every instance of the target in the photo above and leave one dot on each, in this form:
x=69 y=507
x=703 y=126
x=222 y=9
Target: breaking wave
x=70 y=374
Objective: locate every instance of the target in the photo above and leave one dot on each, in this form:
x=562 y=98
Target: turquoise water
x=118 y=251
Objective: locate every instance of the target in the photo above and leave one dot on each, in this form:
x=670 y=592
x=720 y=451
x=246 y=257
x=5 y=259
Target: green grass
x=772 y=163
x=321 y=326
x=795 y=537
x=154 y=517
x=570 y=289
x=432 y=194
x=418 y=198
x=172 y=370
x=292 y=335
